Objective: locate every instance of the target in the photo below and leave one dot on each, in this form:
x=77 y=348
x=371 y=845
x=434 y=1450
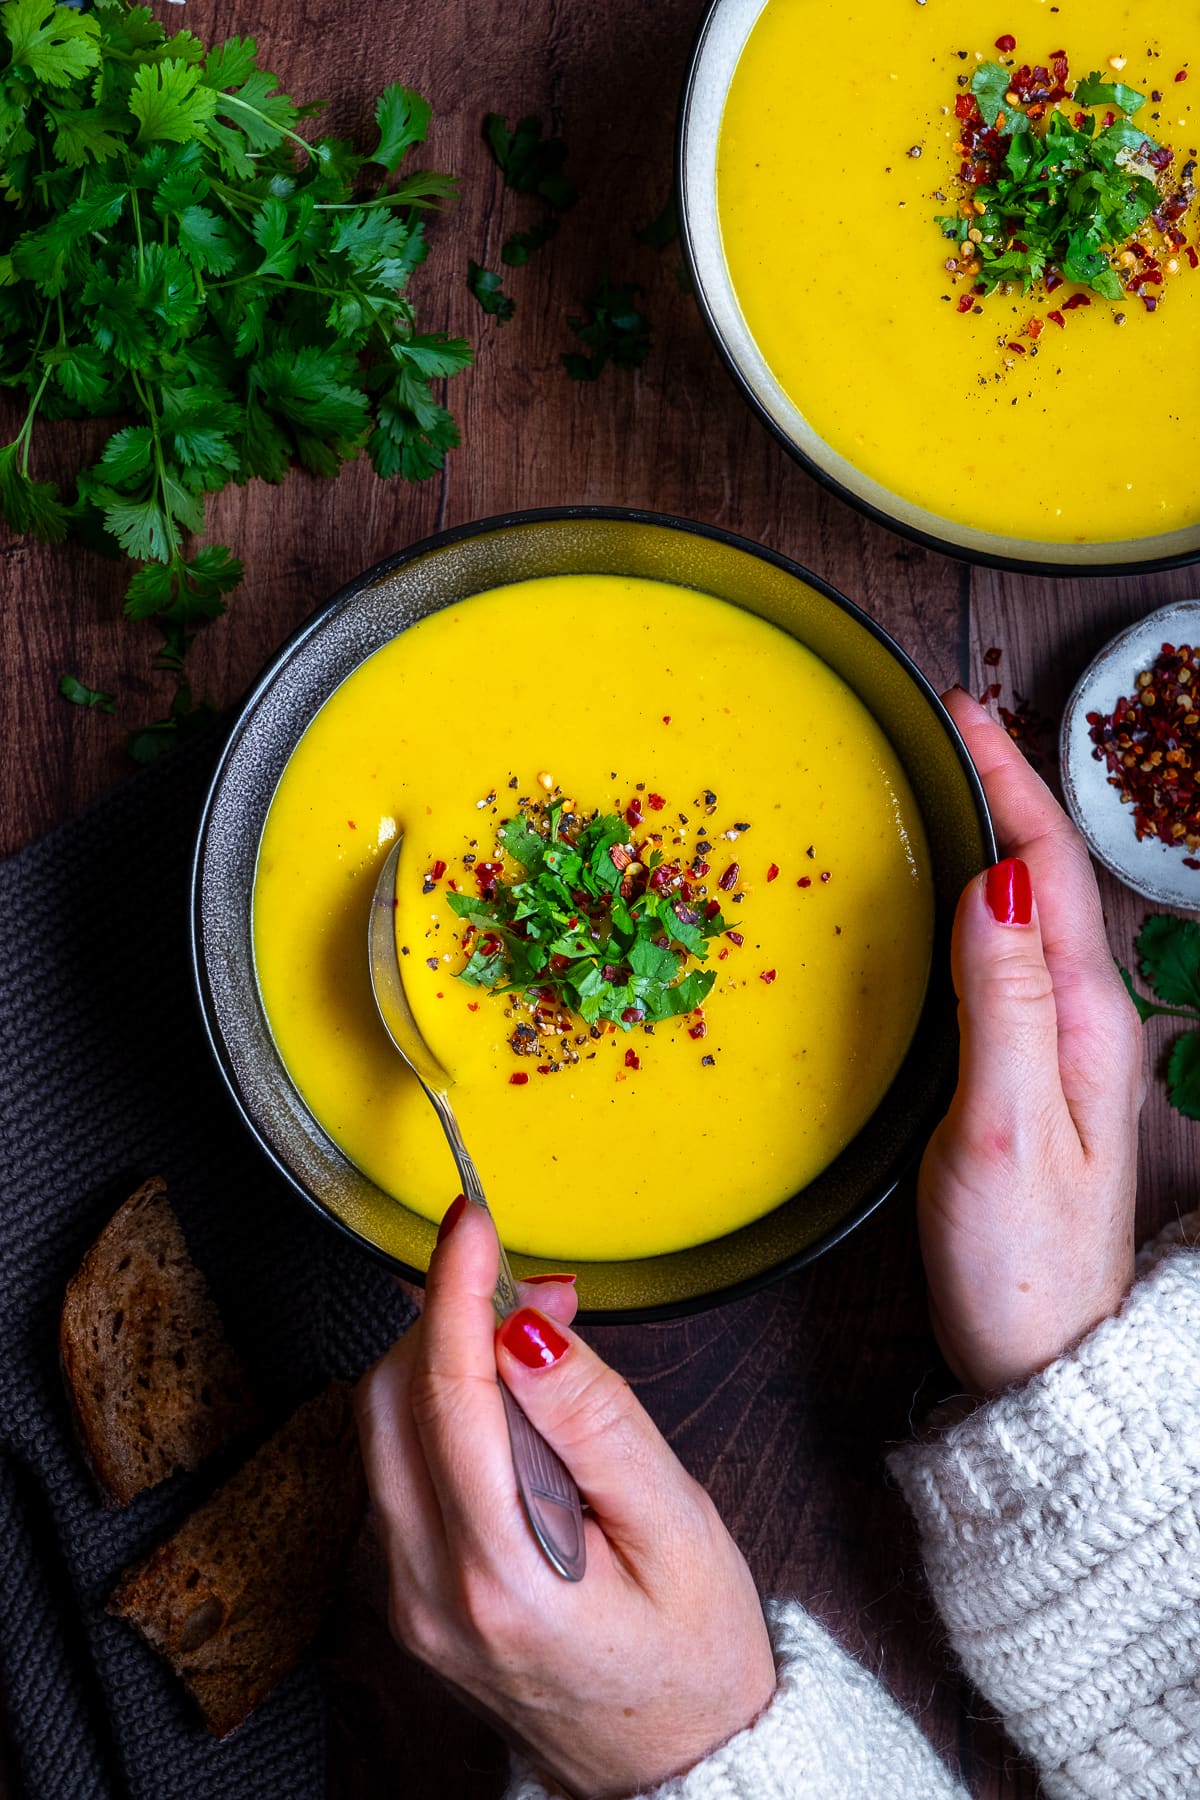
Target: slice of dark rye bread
x=234 y=1597
x=154 y=1385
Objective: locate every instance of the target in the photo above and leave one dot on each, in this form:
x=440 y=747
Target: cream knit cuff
x=831 y=1732
x=1060 y=1526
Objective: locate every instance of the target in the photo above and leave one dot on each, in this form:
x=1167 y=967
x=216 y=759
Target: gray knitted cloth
x=105 y=1078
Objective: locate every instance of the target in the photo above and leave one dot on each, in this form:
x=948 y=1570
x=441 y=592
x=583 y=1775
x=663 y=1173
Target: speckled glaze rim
x=202 y=949
x=1147 y=867
x=720 y=39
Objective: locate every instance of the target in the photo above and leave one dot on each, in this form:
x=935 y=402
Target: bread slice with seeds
x=233 y=1598
x=154 y=1384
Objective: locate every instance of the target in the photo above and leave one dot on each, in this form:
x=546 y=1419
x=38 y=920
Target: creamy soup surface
x=828 y=221
x=601 y=683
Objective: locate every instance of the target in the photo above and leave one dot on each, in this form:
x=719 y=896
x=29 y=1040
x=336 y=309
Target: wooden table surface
x=782 y=1404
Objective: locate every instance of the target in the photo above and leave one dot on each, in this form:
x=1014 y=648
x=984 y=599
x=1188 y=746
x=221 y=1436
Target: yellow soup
x=836 y=157
x=600 y=683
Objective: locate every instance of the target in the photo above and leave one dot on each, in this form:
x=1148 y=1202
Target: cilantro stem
x=26 y=431
x=308 y=149
x=137 y=226
x=160 y=470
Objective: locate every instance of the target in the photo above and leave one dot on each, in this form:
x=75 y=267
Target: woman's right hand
x=613 y=1683
x=1026 y=1192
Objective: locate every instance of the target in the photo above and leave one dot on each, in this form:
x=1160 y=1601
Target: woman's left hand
x=660 y=1653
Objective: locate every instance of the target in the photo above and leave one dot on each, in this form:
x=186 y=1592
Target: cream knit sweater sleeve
x=1060 y=1525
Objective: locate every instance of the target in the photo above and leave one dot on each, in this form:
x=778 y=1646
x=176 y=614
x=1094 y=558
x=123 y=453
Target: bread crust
x=233 y=1598
x=154 y=1384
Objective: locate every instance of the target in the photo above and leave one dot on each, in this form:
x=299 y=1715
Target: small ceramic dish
x=395 y=595
x=1148 y=866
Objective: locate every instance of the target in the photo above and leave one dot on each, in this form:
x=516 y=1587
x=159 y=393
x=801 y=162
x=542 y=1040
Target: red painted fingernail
x=534 y=1280
x=1009 y=892
x=532 y=1339
x=454 y=1213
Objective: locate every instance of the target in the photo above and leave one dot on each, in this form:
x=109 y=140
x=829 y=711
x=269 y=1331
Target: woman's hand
x=1026 y=1191
x=611 y=1684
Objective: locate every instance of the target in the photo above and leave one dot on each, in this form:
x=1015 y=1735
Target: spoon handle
x=548 y=1492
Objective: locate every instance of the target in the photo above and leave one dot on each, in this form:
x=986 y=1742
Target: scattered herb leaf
x=664 y=229
x=1168 y=950
x=490 y=294
x=530 y=163
x=615 y=331
x=79 y=694
x=517 y=249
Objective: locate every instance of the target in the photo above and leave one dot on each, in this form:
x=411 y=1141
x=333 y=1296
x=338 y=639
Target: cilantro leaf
x=1169 y=955
x=530 y=163
x=615 y=332
x=1183 y=1075
x=517 y=249
x=486 y=288
x=664 y=229
x=1093 y=91
x=52 y=43
x=29 y=505
x=989 y=84
x=403 y=120
x=169 y=102
x=74 y=690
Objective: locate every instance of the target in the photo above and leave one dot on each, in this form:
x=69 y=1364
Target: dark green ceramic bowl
x=436 y=573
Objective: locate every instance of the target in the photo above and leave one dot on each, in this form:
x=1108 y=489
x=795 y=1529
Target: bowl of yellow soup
x=828 y=158
x=775 y=764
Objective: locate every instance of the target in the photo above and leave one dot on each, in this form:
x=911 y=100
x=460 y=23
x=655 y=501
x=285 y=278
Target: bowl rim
x=970 y=554
x=379 y=571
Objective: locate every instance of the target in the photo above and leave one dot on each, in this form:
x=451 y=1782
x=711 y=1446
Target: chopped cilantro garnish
x=530 y=163
x=1053 y=196
x=585 y=924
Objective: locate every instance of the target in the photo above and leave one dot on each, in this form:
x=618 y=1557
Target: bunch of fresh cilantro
x=1062 y=198
x=175 y=256
x=565 y=926
x=1169 y=958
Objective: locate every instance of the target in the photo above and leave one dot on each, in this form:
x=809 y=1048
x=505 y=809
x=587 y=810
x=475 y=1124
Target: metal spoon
x=549 y=1495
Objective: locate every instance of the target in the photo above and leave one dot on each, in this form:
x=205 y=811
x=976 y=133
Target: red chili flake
x=1074 y=301
x=1150 y=303
x=633 y=814
x=352 y=825
x=1035 y=328
x=804 y=881
x=1053 y=280
x=1110 y=118
x=472 y=1006
x=735 y=937
x=965 y=304
x=518 y=1078
x=1058 y=320
x=1192 y=257
x=824 y=874
x=994 y=690
x=1150 y=745
x=438 y=870
x=728 y=879
x=992 y=655
x=700 y=868
x=767 y=975
x=698 y=1030
x=666 y=718
x=1019 y=348
x=633 y=1015
x=655 y=802
x=1079 y=119
x=964 y=106
x=711 y=908
x=632 y=1060
x=544 y=1069
x=1007 y=42
x=773 y=872
x=721 y=955
x=1181 y=75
